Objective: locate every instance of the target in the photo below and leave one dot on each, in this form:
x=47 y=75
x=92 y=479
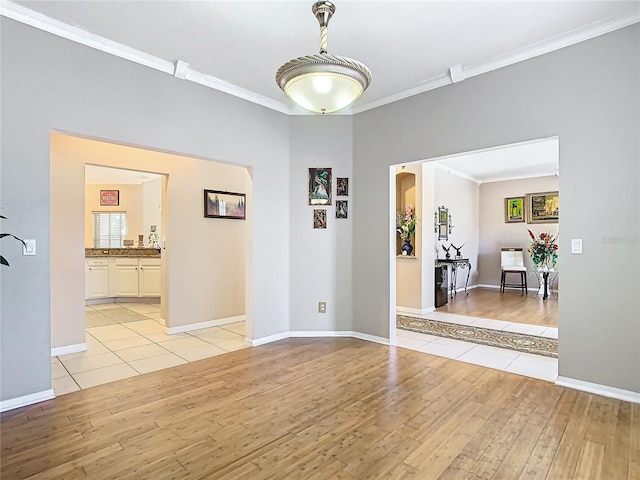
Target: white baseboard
x=208 y=324
x=604 y=390
x=370 y=338
x=68 y=349
x=414 y=311
x=26 y=400
x=319 y=333
x=264 y=340
x=316 y=334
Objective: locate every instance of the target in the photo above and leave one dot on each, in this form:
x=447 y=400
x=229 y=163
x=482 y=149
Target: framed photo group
x=320 y=194
x=541 y=207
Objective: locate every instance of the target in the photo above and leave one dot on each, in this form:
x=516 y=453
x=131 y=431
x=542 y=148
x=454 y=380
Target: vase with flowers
x=406 y=227
x=543 y=250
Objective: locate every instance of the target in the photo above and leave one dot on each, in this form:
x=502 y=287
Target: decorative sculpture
x=457 y=249
x=446 y=249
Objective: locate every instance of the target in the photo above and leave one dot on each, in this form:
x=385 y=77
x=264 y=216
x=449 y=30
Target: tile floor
x=536 y=366
x=128 y=339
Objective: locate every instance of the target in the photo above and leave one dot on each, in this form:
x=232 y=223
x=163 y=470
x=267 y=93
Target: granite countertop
x=122 y=252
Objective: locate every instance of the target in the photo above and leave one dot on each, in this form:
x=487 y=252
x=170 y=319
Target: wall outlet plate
x=322 y=307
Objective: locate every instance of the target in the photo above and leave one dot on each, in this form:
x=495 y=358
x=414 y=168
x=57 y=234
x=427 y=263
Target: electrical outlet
x=322 y=307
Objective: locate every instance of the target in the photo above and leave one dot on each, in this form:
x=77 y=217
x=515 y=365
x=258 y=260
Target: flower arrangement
x=544 y=249
x=406 y=222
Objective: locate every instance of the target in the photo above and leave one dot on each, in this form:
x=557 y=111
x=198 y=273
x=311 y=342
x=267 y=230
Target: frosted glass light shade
x=323 y=83
x=323 y=92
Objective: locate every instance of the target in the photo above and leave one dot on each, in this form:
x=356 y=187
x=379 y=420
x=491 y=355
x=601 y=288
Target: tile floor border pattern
x=522 y=342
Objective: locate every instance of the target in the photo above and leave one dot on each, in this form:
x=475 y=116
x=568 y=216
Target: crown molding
x=576 y=36
x=42 y=22
x=55 y=27
x=455 y=172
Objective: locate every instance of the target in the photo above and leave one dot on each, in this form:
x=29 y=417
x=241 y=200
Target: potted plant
x=3 y=261
x=406 y=227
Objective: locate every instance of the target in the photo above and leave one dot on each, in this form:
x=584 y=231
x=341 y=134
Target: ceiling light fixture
x=323 y=83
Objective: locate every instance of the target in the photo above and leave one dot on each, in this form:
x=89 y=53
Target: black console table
x=456 y=263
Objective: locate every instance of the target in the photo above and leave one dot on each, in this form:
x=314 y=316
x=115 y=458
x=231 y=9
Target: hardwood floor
x=510 y=306
x=324 y=409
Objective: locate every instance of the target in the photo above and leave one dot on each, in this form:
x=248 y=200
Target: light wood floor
x=511 y=306
x=324 y=409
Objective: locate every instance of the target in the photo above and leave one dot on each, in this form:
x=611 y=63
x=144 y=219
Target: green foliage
x=3 y=261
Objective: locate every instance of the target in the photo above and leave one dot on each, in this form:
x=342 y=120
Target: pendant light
x=323 y=83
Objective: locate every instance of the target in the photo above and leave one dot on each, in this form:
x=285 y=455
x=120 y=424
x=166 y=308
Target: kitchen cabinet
x=96 y=278
x=150 y=277
x=122 y=277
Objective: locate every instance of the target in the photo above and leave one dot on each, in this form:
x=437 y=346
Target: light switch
x=29 y=248
x=576 y=245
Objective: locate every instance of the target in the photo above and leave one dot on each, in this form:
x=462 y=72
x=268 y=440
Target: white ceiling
x=95 y=175
x=237 y=46
x=525 y=160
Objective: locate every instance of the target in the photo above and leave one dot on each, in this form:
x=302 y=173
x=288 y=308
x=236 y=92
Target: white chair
x=512 y=261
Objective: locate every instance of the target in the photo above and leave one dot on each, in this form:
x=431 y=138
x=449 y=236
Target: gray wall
x=588 y=95
x=496 y=234
x=320 y=258
x=51 y=83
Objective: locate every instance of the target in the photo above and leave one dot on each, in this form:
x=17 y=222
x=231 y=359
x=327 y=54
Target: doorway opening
x=472 y=189
x=161 y=220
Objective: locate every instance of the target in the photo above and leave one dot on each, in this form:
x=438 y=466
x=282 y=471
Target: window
x=109 y=229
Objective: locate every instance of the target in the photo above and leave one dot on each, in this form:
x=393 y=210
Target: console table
x=455 y=264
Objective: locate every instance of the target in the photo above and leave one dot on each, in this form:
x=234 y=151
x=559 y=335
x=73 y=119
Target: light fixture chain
x=323 y=39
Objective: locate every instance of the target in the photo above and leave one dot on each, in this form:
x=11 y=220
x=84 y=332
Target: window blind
x=109 y=229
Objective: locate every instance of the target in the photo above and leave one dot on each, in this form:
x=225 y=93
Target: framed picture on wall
x=109 y=198
x=514 y=210
x=342 y=209
x=319 y=218
x=319 y=186
x=543 y=207
x=342 y=187
x=219 y=204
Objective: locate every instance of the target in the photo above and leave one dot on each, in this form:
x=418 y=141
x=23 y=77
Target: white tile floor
x=128 y=339
x=536 y=366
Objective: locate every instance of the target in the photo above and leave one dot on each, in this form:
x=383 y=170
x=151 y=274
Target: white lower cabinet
x=122 y=277
x=96 y=278
x=150 y=277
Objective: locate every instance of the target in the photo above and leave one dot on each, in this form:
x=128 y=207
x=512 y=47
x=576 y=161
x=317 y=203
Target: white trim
x=453 y=171
x=26 y=400
x=264 y=340
x=597 y=389
x=68 y=349
x=370 y=338
x=315 y=334
x=415 y=311
x=579 y=35
x=320 y=333
x=201 y=325
x=55 y=27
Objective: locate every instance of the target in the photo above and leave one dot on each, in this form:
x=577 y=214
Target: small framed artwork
x=342 y=187
x=342 y=209
x=219 y=204
x=109 y=198
x=514 y=209
x=319 y=218
x=543 y=207
x=319 y=186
